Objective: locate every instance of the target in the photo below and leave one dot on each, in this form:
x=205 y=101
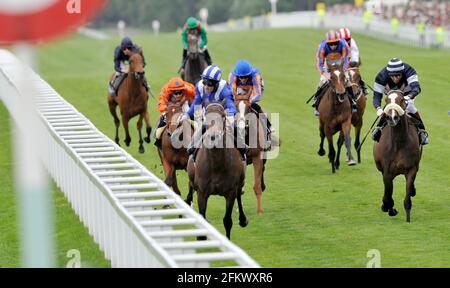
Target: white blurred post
x=156 y=25
x=35 y=202
x=204 y=13
x=274 y=6
x=121 y=28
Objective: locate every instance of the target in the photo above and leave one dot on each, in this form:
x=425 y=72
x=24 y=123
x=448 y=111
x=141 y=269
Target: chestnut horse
x=174 y=141
x=398 y=152
x=217 y=170
x=132 y=99
x=196 y=62
x=250 y=126
x=335 y=115
x=357 y=117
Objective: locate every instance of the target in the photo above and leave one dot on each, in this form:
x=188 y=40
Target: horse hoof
x=260 y=211
x=351 y=162
x=393 y=212
x=141 y=150
x=321 y=152
x=383 y=208
x=201 y=238
x=413 y=192
x=166 y=206
x=243 y=223
x=147 y=139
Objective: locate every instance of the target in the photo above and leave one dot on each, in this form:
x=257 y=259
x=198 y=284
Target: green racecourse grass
x=312 y=218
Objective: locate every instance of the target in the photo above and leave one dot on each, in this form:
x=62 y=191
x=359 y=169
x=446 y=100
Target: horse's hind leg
x=258 y=167
x=321 y=151
x=148 y=127
x=348 y=142
x=139 y=128
x=112 y=109
x=331 y=151
x=357 y=141
x=243 y=222
x=190 y=195
x=388 y=202
x=339 y=147
x=410 y=190
x=227 y=220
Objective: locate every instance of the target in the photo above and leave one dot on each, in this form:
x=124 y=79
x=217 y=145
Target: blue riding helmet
x=243 y=68
x=126 y=42
x=212 y=72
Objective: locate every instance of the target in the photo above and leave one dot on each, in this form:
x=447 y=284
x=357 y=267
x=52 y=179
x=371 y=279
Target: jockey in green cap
x=194 y=24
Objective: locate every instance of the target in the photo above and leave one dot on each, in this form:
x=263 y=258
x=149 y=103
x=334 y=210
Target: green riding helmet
x=192 y=23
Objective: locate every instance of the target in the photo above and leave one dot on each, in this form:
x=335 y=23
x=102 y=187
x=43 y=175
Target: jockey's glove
x=184 y=117
x=379 y=112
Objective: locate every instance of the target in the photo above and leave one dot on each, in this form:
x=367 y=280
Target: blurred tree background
x=173 y=13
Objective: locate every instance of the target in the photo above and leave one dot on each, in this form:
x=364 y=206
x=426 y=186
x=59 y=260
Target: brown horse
x=132 y=99
x=196 y=62
x=174 y=141
x=335 y=115
x=398 y=152
x=357 y=118
x=218 y=170
x=253 y=132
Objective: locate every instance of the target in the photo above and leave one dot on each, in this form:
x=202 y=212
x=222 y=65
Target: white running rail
x=117 y=199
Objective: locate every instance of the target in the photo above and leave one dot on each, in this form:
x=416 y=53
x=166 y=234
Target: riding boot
x=264 y=120
x=364 y=87
x=208 y=57
x=352 y=97
x=241 y=146
x=376 y=132
x=423 y=134
x=183 y=61
x=316 y=99
x=145 y=83
x=158 y=134
x=115 y=83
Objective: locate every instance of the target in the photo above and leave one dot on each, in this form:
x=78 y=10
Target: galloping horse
x=255 y=138
x=335 y=115
x=217 y=170
x=132 y=99
x=357 y=118
x=398 y=152
x=174 y=141
x=196 y=63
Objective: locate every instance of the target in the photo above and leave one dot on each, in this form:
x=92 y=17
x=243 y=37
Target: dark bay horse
x=174 y=141
x=357 y=118
x=335 y=115
x=254 y=134
x=196 y=63
x=398 y=152
x=132 y=99
x=218 y=170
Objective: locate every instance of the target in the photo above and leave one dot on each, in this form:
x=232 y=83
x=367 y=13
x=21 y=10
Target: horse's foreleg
x=388 y=202
x=321 y=151
x=357 y=141
x=202 y=200
x=112 y=109
x=348 y=142
x=227 y=220
x=139 y=128
x=190 y=195
x=243 y=222
x=331 y=151
x=410 y=191
x=258 y=166
x=339 y=146
x=125 y=120
x=148 y=127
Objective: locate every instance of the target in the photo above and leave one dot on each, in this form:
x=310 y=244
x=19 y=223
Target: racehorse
x=217 y=170
x=132 y=99
x=174 y=141
x=195 y=62
x=398 y=152
x=335 y=115
x=357 y=117
x=253 y=132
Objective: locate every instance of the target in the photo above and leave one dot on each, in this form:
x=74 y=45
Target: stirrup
x=423 y=136
x=376 y=134
x=316 y=113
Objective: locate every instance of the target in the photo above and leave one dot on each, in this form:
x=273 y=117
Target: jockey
x=211 y=89
x=175 y=90
x=194 y=24
x=333 y=48
x=354 y=58
x=248 y=79
x=122 y=54
x=396 y=76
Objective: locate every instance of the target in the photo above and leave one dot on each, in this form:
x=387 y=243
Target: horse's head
x=354 y=78
x=395 y=107
x=137 y=66
x=193 y=38
x=242 y=102
x=215 y=114
x=174 y=111
x=337 y=80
